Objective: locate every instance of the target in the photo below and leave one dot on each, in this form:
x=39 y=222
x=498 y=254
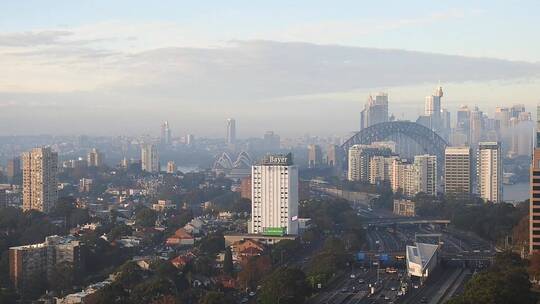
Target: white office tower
x=149 y=158
x=457 y=170
x=426 y=168
x=274 y=196
x=231 y=131
x=40 y=186
x=489 y=171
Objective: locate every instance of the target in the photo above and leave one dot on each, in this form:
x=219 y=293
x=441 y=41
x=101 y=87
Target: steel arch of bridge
x=430 y=141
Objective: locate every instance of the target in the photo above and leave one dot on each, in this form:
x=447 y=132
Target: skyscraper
x=334 y=156
x=271 y=141
x=457 y=170
x=359 y=161
x=274 y=207
x=165 y=134
x=381 y=169
x=433 y=112
x=534 y=206
x=314 y=156
x=375 y=111
x=426 y=169
x=404 y=177
x=40 y=186
x=95 y=158
x=171 y=167
x=149 y=158
x=189 y=139
x=231 y=131
x=13 y=168
x=476 y=126
x=489 y=170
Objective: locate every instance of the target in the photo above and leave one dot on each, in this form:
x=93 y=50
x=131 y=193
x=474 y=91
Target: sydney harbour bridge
x=412 y=138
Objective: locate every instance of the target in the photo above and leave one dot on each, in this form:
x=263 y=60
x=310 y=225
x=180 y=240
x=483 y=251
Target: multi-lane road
x=463 y=253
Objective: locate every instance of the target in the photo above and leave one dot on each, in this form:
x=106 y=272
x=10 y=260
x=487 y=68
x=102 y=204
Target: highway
x=461 y=252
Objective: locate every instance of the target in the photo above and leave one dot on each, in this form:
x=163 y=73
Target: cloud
x=254 y=70
x=33 y=38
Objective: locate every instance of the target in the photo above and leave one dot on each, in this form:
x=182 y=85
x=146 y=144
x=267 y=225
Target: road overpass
x=381 y=222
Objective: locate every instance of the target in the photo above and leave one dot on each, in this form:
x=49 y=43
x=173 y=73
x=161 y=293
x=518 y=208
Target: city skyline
x=157 y=63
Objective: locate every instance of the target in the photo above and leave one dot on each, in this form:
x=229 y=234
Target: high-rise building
x=85 y=185
x=521 y=135
x=381 y=169
x=476 y=126
x=38 y=260
x=271 y=141
x=433 y=117
x=404 y=178
x=274 y=207
x=231 y=131
x=534 y=206
x=171 y=167
x=375 y=111
x=334 y=156
x=314 y=156
x=149 y=158
x=40 y=186
x=95 y=158
x=166 y=134
x=489 y=171
x=426 y=170
x=458 y=170
x=13 y=168
x=359 y=157
x=190 y=139
x=516 y=110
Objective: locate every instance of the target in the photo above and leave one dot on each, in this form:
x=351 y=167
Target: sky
x=295 y=67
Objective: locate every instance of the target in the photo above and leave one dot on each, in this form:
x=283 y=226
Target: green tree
x=215 y=297
x=212 y=244
x=505 y=282
x=146 y=217
x=130 y=275
x=151 y=290
x=62 y=278
x=285 y=285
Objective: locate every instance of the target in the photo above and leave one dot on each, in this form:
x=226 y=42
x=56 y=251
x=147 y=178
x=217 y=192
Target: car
x=353 y=276
x=386 y=298
x=423 y=300
x=392 y=288
x=415 y=286
x=344 y=289
x=251 y=293
x=361 y=281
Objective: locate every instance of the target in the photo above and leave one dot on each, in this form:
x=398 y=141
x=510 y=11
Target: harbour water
x=516 y=193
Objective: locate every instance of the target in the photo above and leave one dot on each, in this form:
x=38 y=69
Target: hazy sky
x=122 y=67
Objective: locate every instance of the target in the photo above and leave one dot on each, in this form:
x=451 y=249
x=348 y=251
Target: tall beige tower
x=458 y=171
x=40 y=187
x=149 y=158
